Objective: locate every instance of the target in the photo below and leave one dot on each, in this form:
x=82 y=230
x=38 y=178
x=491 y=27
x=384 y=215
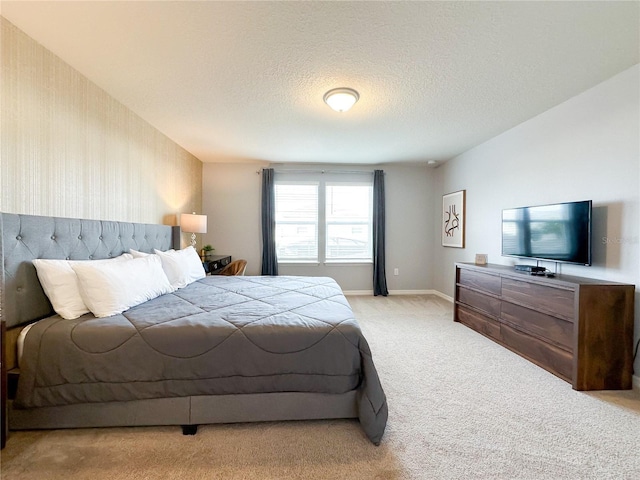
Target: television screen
x=558 y=233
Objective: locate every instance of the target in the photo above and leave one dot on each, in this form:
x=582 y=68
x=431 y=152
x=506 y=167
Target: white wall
x=585 y=148
x=410 y=190
x=231 y=199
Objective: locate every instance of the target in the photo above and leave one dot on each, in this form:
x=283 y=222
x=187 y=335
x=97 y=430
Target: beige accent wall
x=69 y=149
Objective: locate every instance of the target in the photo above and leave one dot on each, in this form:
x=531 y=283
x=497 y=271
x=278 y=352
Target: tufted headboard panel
x=26 y=237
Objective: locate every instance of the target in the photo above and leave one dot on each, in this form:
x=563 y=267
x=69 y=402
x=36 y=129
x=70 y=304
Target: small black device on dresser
x=214 y=263
x=529 y=268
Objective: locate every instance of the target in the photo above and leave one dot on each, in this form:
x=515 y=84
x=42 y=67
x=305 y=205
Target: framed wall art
x=453 y=219
x=481 y=258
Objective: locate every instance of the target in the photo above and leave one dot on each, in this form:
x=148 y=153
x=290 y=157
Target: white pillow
x=113 y=288
x=60 y=284
x=181 y=266
x=137 y=254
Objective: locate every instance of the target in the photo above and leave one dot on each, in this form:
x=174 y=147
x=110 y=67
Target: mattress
x=20 y=341
x=219 y=335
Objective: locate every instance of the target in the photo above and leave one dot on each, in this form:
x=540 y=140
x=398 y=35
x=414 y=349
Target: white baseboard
x=410 y=292
x=401 y=292
x=391 y=292
x=357 y=292
x=441 y=295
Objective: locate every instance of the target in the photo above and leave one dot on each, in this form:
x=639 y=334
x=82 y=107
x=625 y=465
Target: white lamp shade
x=192 y=223
x=341 y=99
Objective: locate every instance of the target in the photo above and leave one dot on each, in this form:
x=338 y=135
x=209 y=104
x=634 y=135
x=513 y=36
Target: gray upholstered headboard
x=25 y=237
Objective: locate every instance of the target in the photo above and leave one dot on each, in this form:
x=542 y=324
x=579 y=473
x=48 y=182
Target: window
x=348 y=216
x=296 y=222
x=324 y=220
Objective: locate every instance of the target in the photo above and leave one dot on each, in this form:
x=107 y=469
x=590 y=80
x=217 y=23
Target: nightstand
x=214 y=263
x=3 y=389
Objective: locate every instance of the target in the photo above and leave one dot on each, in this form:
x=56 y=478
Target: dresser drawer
x=478 y=322
x=556 y=330
x=554 y=359
x=556 y=301
x=478 y=280
x=488 y=304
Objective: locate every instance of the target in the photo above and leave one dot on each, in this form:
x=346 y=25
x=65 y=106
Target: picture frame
x=453 y=219
x=481 y=258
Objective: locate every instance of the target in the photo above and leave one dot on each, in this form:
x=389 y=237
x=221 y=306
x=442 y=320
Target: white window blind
x=296 y=221
x=348 y=216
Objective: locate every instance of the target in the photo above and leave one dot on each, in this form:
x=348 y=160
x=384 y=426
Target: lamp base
x=193 y=240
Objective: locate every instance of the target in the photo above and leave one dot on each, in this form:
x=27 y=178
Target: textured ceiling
x=235 y=81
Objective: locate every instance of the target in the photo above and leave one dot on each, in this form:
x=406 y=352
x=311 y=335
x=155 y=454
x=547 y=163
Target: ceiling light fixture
x=341 y=99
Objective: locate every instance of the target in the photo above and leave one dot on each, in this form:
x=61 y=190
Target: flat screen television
x=560 y=232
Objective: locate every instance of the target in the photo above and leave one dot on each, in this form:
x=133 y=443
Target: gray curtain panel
x=379 y=275
x=269 y=259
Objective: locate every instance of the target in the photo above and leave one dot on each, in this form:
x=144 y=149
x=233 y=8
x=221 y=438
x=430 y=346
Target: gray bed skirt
x=197 y=410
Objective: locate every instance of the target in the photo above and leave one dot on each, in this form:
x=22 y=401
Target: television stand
x=579 y=329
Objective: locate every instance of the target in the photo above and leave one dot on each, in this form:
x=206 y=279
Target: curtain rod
x=362 y=172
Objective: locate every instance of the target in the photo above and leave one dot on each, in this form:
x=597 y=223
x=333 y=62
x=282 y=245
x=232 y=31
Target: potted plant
x=207 y=251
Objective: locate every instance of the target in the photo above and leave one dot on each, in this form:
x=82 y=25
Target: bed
x=220 y=350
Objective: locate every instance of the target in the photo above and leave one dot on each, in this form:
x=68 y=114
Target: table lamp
x=192 y=223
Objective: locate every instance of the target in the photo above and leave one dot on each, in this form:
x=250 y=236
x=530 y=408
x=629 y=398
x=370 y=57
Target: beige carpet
x=460 y=406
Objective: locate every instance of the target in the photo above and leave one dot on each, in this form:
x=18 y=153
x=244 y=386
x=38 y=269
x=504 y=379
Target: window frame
x=322 y=180
x=368 y=223
x=308 y=260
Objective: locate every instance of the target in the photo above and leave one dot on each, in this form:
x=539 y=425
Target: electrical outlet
x=396 y=271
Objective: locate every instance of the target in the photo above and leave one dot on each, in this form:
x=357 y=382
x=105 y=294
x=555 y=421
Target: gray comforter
x=219 y=335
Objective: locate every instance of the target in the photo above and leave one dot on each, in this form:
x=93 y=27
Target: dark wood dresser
x=580 y=329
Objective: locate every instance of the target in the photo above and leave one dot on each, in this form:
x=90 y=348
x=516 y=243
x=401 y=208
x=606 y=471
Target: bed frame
x=22 y=301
